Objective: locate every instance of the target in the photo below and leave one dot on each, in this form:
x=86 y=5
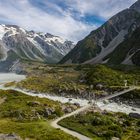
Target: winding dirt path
x=73 y=133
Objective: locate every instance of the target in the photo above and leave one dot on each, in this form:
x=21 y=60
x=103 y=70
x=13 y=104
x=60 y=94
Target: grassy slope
x=17 y=116
x=111 y=76
x=67 y=78
x=104 y=126
x=18 y=105
x=53 y=79
x=84 y=50
x=36 y=130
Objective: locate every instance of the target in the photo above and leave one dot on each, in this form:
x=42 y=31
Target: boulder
x=63 y=107
x=73 y=107
x=34 y=103
x=77 y=104
x=9 y=137
x=99 y=86
x=68 y=110
x=134 y=115
x=133 y=109
x=49 y=111
x=115 y=138
x=106 y=102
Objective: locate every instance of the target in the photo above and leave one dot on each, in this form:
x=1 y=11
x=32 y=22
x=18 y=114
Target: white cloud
x=22 y=13
x=102 y=8
x=59 y=22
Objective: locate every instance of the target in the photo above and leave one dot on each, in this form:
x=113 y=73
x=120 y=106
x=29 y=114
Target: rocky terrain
x=131 y=99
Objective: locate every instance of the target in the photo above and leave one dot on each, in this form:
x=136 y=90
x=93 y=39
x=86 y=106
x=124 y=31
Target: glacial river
x=9 y=77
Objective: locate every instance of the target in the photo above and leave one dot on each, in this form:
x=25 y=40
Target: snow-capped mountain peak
x=31 y=45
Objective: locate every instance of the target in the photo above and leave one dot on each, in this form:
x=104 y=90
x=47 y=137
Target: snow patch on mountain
x=55 y=38
x=2 y=31
x=36 y=44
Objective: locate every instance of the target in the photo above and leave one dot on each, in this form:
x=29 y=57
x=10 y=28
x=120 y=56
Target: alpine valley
x=52 y=89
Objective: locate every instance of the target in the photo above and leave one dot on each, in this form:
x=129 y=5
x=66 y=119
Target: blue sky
x=70 y=19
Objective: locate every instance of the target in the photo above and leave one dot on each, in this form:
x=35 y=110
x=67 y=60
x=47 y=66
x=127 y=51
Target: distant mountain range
x=115 y=42
x=17 y=43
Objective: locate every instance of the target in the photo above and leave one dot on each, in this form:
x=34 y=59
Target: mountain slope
x=128 y=52
x=103 y=41
x=32 y=46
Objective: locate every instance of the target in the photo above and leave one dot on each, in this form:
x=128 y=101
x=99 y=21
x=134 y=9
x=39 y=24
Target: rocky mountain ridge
x=17 y=43
x=102 y=42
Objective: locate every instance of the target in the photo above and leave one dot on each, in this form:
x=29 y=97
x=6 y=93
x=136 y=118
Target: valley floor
x=109 y=106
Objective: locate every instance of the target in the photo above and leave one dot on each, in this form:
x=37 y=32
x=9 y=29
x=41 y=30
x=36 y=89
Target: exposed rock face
x=17 y=43
x=97 y=47
x=136 y=6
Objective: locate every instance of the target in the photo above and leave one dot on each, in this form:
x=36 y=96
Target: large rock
x=115 y=138
x=49 y=111
x=67 y=109
x=34 y=103
x=134 y=115
x=9 y=137
x=77 y=105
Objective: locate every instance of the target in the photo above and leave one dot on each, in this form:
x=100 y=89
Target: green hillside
x=29 y=117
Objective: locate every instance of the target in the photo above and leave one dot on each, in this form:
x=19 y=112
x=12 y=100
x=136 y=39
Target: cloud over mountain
x=72 y=19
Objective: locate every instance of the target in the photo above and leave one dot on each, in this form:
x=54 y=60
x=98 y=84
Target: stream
x=9 y=77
